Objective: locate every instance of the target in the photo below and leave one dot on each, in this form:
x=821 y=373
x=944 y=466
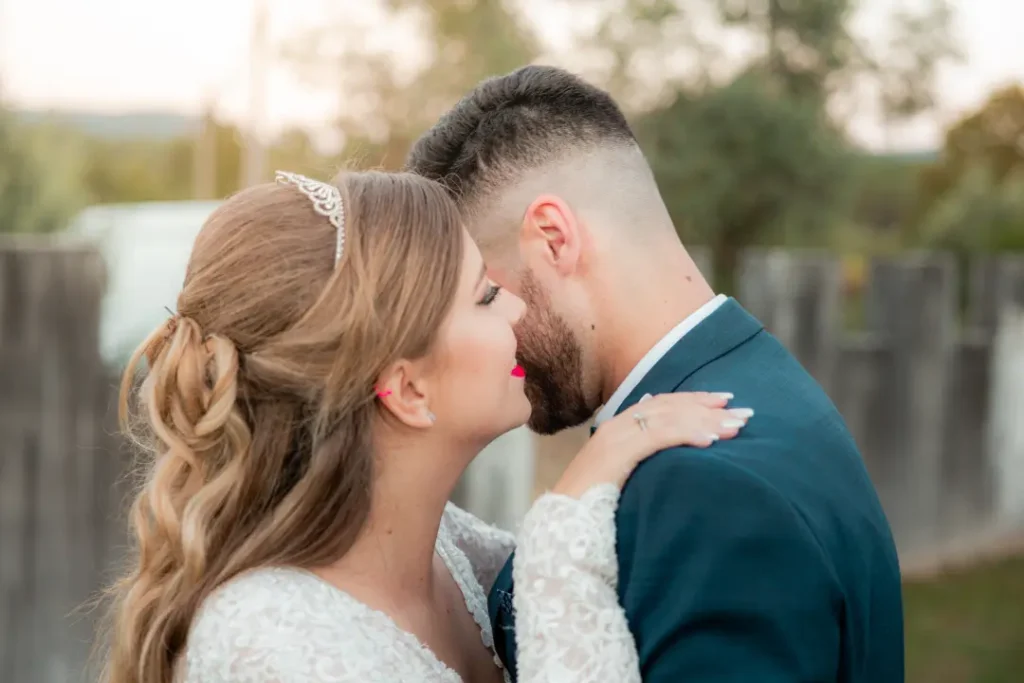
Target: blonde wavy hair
x=256 y=412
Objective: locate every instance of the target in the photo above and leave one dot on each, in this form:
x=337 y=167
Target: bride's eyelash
x=491 y=295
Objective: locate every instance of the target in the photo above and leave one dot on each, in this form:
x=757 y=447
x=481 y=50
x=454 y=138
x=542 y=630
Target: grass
x=967 y=626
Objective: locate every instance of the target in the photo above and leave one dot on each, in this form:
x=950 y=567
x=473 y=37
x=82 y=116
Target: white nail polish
x=733 y=424
x=742 y=413
x=644 y=398
x=713 y=437
x=724 y=394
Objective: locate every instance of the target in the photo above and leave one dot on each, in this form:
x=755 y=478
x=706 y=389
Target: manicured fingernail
x=713 y=437
x=644 y=398
x=723 y=394
x=733 y=424
x=742 y=413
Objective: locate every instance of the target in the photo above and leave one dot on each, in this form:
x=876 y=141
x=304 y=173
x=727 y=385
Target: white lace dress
x=281 y=625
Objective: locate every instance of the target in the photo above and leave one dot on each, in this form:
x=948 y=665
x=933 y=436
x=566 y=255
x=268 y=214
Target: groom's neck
x=645 y=304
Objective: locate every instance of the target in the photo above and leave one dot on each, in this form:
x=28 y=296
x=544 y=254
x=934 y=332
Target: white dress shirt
x=656 y=353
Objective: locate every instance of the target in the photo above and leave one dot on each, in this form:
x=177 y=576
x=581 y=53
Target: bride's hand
x=620 y=444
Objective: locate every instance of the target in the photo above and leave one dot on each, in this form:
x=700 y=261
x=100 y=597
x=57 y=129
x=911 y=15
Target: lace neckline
x=461 y=571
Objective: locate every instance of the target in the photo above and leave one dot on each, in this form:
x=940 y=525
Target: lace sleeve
x=570 y=627
x=487 y=547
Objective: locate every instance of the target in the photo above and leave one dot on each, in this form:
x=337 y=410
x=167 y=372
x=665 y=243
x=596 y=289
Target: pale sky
x=134 y=55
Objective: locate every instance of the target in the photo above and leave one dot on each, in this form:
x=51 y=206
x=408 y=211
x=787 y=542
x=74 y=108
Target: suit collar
x=721 y=332
x=651 y=358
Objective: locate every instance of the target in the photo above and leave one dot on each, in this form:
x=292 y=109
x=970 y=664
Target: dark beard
x=553 y=360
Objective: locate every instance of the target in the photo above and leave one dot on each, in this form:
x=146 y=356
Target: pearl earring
x=431 y=417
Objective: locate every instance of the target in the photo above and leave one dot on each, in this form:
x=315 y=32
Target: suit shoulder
x=699 y=490
x=692 y=469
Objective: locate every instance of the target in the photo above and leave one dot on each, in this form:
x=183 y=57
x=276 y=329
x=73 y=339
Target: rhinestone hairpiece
x=326 y=200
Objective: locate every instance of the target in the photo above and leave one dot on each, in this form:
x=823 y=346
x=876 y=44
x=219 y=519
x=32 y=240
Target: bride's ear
x=402 y=390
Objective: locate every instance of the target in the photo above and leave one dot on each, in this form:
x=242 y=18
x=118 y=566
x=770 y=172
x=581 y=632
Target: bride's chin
x=526 y=409
x=518 y=417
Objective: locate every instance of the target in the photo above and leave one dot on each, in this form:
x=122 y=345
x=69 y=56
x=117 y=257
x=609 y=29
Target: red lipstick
x=518 y=371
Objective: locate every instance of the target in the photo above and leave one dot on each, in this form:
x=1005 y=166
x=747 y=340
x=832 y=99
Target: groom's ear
x=550 y=234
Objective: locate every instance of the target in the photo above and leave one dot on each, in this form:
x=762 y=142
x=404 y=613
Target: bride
x=337 y=359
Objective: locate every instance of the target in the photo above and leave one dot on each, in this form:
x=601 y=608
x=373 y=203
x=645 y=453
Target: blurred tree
x=137 y=170
x=637 y=46
x=740 y=165
x=227 y=141
x=39 y=188
x=885 y=190
x=907 y=66
x=762 y=158
x=385 y=102
x=982 y=212
x=294 y=151
x=49 y=170
x=144 y=170
x=808 y=47
x=991 y=138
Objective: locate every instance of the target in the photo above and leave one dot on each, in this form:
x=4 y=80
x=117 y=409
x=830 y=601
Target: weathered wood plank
x=912 y=305
x=50 y=367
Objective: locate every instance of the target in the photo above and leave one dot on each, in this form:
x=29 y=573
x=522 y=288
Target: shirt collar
x=654 y=355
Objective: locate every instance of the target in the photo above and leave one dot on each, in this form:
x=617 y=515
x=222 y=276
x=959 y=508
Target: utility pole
x=3 y=31
x=253 y=152
x=204 y=170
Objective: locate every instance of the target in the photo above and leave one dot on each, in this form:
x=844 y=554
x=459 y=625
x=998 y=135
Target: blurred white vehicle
x=145 y=249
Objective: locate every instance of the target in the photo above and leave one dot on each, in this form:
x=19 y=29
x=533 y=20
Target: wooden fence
x=57 y=462
x=936 y=405
x=916 y=382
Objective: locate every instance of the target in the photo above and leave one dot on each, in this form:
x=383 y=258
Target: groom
x=765 y=558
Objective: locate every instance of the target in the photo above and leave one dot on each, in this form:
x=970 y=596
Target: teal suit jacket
x=766 y=558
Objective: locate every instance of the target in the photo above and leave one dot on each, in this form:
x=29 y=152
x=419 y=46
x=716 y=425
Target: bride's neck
x=395 y=552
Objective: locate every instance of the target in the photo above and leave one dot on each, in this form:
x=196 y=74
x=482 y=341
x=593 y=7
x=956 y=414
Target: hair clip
x=172 y=322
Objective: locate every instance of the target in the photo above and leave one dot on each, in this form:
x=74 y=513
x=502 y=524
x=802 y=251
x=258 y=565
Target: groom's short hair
x=511 y=124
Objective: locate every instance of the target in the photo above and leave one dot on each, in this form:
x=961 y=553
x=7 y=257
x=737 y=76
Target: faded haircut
x=512 y=124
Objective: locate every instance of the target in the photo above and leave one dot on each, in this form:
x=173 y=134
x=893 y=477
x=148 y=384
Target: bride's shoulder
x=260 y=600
x=263 y=617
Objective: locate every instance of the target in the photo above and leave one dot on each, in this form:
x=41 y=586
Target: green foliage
x=294 y=151
x=907 y=70
x=137 y=170
x=980 y=213
x=885 y=192
x=740 y=165
x=754 y=159
x=806 y=50
x=967 y=625
x=988 y=138
x=808 y=44
x=50 y=171
x=387 y=105
x=760 y=159
x=39 y=184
